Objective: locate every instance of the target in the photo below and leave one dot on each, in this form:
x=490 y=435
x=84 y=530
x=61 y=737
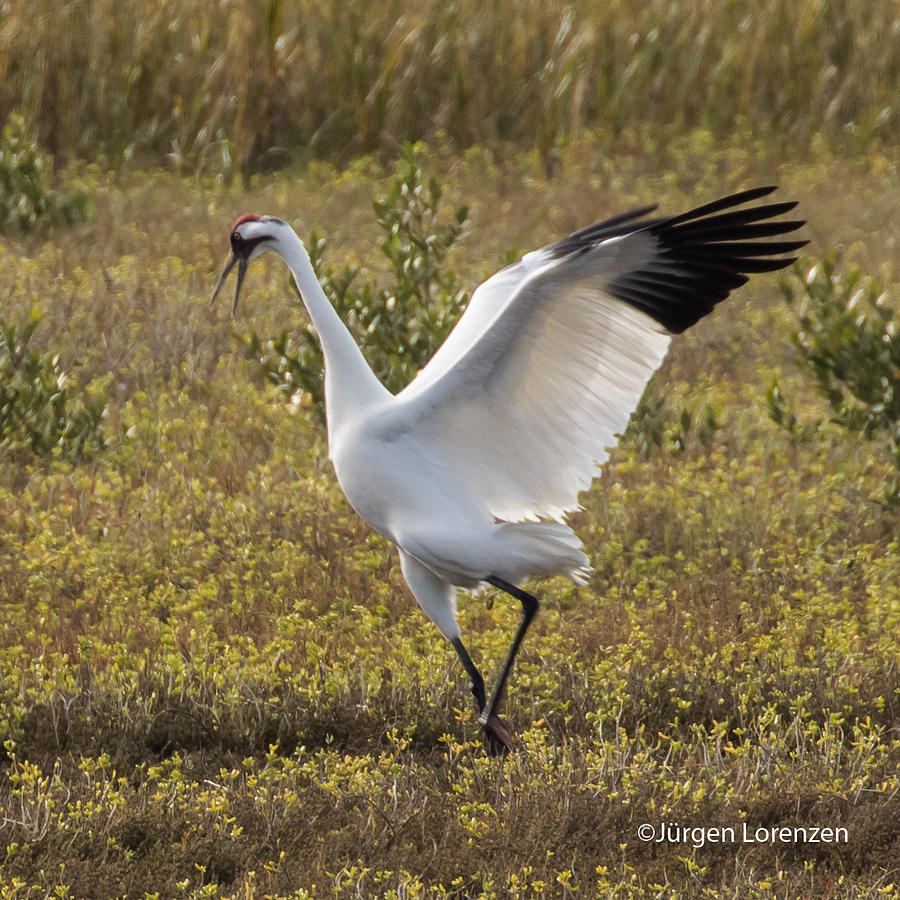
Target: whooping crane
x=471 y=468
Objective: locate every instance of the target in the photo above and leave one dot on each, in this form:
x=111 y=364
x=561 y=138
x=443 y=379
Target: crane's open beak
x=241 y=262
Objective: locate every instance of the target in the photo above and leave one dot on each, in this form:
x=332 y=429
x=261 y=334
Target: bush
x=849 y=342
x=26 y=201
x=38 y=412
x=399 y=327
x=655 y=426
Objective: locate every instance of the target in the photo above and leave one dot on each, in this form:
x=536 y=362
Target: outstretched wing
x=549 y=361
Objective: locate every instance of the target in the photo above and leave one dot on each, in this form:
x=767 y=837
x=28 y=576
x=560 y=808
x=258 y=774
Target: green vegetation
x=213 y=681
x=38 y=414
x=26 y=200
x=849 y=342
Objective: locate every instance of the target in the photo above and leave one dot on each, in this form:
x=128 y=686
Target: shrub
x=399 y=326
x=849 y=343
x=26 y=200
x=655 y=426
x=38 y=410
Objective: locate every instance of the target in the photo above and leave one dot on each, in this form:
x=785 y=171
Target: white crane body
x=471 y=469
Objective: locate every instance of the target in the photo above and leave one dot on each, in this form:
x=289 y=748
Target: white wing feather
x=537 y=379
x=488 y=300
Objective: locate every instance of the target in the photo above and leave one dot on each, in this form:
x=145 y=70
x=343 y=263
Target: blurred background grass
x=213 y=682
x=218 y=86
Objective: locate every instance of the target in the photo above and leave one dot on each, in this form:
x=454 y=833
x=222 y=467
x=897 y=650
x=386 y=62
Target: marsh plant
x=848 y=341
x=655 y=426
x=27 y=200
x=340 y=79
x=41 y=410
x=214 y=684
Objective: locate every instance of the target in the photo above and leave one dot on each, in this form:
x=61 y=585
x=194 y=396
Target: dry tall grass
x=216 y=88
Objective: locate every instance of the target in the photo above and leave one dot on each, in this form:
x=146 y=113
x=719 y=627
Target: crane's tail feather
x=542 y=548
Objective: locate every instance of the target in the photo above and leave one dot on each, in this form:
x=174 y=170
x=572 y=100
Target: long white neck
x=350 y=385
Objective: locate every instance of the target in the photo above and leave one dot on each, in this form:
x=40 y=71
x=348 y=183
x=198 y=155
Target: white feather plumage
x=471 y=469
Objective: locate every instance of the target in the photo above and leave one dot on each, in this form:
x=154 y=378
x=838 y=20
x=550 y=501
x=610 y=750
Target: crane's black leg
x=473 y=673
x=496 y=737
x=489 y=720
x=529 y=609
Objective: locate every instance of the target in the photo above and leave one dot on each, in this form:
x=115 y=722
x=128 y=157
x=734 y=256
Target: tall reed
x=220 y=85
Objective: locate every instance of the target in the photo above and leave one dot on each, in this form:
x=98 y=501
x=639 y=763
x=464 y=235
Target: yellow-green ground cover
x=213 y=682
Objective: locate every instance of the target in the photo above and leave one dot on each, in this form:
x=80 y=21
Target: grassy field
x=213 y=682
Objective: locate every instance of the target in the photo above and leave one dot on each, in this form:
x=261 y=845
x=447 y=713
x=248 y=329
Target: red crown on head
x=249 y=217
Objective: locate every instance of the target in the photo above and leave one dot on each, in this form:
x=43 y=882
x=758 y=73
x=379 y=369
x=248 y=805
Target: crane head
x=249 y=238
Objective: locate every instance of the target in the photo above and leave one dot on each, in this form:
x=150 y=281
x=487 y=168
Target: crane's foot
x=496 y=738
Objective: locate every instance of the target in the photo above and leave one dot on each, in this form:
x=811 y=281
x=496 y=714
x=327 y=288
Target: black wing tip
x=616 y=226
x=727 y=202
x=705 y=253
x=636 y=219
